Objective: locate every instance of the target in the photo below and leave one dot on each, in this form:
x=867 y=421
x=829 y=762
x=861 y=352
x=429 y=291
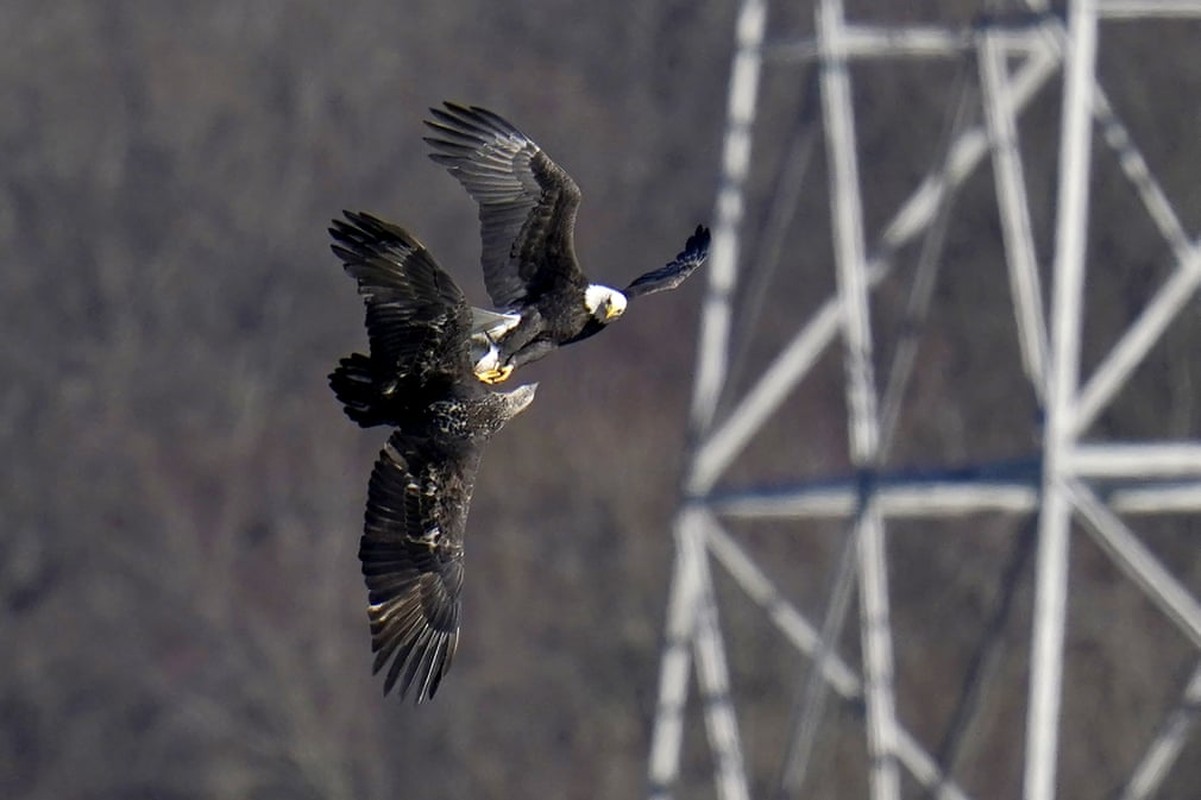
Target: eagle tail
x=354 y=385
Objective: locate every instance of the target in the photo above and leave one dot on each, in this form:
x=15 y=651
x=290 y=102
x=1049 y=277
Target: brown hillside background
x=181 y=610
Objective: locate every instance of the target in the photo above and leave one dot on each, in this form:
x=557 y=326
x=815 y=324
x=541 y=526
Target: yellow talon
x=495 y=375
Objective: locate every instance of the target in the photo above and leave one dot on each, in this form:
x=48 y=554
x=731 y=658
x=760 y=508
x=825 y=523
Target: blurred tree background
x=180 y=603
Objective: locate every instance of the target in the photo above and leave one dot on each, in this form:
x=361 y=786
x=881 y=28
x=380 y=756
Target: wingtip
x=471 y=121
x=447 y=106
x=354 y=219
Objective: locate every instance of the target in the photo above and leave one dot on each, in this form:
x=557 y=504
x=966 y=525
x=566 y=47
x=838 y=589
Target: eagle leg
x=517 y=338
x=530 y=352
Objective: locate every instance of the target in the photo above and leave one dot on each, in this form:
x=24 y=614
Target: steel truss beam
x=1071 y=479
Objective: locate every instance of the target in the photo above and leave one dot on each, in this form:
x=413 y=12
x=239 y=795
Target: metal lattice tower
x=1141 y=477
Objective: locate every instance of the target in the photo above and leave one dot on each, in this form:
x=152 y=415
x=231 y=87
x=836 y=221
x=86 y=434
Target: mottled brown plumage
x=418 y=378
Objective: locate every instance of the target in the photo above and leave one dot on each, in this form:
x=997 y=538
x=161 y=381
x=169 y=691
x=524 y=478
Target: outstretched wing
x=418 y=321
x=412 y=557
x=671 y=275
x=527 y=202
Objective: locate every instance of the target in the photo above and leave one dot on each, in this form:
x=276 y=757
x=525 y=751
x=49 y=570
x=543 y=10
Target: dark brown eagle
x=419 y=379
x=528 y=208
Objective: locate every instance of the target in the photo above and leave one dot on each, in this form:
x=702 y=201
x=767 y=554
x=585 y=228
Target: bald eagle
x=419 y=379
x=527 y=216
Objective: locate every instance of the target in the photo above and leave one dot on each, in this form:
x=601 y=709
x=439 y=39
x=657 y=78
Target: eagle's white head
x=604 y=302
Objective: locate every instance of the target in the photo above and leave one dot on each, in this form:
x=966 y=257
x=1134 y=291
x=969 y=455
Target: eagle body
x=527 y=209
x=545 y=324
x=457 y=413
x=419 y=379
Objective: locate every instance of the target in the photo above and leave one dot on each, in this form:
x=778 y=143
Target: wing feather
x=412 y=558
x=418 y=321
x=672 y=274
x=527 y=202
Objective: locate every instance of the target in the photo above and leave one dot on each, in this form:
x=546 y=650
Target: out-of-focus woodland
x=181 y=610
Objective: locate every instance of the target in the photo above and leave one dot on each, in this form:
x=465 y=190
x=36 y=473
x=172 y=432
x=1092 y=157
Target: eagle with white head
x=528 y=208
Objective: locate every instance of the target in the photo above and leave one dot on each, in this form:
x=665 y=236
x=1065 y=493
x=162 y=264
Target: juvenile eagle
x=417 y=378
x=527 y=216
